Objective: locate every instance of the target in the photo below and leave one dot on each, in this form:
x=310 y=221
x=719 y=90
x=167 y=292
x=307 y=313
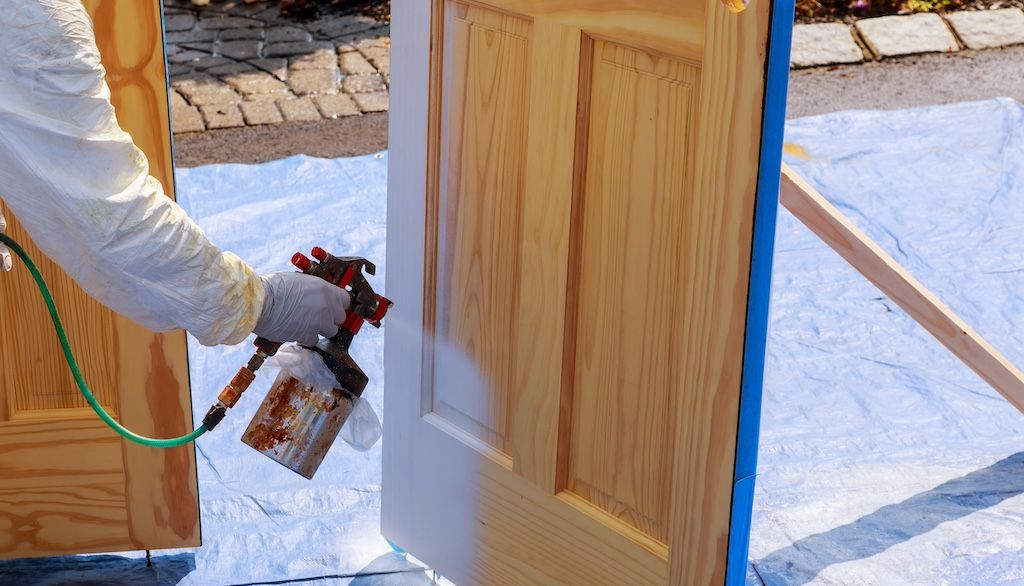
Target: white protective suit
x=83 y=192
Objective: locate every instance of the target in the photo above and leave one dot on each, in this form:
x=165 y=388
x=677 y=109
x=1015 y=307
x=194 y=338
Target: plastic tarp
x=883 y=460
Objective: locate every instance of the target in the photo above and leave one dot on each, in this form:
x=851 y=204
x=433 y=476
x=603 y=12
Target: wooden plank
x=130 y=38
x=716 y=251
x=483 y=112
x=545 y=239
x=151 y=369
x=811 y=208
x=670 y=27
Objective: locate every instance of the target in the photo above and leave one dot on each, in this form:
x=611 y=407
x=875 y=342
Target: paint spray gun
x=297 y=423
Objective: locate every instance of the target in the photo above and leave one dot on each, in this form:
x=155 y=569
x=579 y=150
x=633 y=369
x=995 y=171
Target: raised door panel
x=69 y=484
x=480 y=196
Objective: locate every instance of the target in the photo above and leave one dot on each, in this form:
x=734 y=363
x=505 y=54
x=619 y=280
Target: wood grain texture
x=112 y=495
x=542 y=315
x=622 y=406
x=519 y=534
x=130 y=39
x=865 y=255
x=716 y=252
x=672 y=27
x=483 y=116
x=61 y=488
x=626 y=374
x=152 y=369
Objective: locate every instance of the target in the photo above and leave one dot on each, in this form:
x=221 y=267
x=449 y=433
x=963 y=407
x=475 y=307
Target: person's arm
x=83 y=191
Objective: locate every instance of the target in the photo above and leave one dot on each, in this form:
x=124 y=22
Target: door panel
x=564 y=374
x=69 y=484
x=484 y=117
x=622 y=343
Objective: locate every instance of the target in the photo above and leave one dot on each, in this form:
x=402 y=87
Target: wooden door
x=69 y=484
x=572 y=215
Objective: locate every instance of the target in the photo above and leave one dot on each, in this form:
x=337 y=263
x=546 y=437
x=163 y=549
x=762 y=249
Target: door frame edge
x=759 y=294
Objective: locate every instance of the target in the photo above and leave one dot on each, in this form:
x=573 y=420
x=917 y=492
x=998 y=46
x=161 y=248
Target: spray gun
x=296 y=423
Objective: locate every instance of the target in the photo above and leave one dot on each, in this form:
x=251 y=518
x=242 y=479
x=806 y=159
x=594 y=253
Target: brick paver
x=222 y=115
x=261 y=112
x=377 y=102
x=313 y=81
x=237 y=62
x=882 y=37
x=336 y=105
x=299 y=110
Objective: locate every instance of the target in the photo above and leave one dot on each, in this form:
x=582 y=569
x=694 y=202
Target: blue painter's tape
x=765 y=210
x=394 y=547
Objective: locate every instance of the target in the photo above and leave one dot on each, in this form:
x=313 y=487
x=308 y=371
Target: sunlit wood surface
x=588 y=208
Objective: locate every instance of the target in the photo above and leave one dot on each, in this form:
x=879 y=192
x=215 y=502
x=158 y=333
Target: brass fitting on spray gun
x=240 y=382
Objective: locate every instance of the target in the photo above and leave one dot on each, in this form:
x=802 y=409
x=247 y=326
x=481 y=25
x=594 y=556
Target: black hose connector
x=214 y=416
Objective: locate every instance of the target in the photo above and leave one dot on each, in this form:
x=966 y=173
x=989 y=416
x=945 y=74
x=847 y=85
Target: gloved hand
x=5 y=255
x=299 y=308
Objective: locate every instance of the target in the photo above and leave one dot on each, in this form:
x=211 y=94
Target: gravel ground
x=911 y=81
x=329 y=139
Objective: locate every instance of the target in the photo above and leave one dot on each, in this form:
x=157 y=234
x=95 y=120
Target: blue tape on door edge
x=765 y=210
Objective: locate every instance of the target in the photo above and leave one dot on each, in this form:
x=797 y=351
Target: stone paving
x=236 y=63
x=894 y=36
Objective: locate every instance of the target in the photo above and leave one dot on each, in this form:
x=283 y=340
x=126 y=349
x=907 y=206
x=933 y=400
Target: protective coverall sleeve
x=82 y=189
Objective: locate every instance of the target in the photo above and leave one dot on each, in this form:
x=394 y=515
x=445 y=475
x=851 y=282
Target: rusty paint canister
x=296 y=424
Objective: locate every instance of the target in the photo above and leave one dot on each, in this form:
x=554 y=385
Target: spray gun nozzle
x=301 y=262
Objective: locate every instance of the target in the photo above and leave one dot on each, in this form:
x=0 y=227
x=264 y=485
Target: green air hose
x=73 y=364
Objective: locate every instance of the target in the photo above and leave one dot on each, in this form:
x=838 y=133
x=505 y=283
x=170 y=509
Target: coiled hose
x=77 y=373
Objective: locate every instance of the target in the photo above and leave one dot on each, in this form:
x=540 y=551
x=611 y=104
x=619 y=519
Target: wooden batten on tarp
x=836 y=230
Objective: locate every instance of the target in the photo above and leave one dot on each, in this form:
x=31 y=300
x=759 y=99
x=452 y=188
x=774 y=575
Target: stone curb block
x=893 y=36
x=824 y=44
x=987 y=29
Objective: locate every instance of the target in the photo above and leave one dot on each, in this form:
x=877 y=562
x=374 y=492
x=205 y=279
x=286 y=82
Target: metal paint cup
x=296 y=424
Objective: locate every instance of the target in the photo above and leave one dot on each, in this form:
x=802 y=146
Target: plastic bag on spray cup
x=362 y=429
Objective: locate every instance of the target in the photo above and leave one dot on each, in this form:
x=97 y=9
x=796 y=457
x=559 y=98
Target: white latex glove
x=300 y=308
x=5 y=255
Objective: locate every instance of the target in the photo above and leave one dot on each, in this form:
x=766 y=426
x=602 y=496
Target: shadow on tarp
x=108 y=570
x=803 y=560
x=390 y=569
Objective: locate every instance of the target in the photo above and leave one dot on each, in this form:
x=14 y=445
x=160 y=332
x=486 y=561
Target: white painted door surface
x=570 y=213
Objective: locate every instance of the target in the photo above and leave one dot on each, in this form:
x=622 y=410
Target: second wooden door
x=68 y=483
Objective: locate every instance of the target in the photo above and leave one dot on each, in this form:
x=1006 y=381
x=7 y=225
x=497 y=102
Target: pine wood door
x=69 y=484
x=570 y=226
